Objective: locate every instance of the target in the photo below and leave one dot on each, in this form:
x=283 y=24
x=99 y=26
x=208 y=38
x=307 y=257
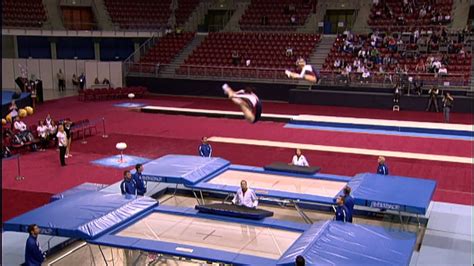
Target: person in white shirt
x=299 y=159
x=245 y=196
x=48 y=120
x=19 y=125
x=42 y=130
x=365 y=75
x=62 y=143
x=443 y=71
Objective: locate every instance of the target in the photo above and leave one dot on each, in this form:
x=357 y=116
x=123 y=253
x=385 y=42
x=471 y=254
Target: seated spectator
x=365 y=75
x=420 y=66
x=235 y=58
x=48 y=120
x=299 y=159
x=106 y=82
x=22 y=132
x=96 y=81
x=337 y=63
x=42 y=130
x=356 y=63
x=19 y=125
x=293 y=20
x=52 y=130
x=442 y=71
x=436 y=65
x=289 y=51
x=346 y=73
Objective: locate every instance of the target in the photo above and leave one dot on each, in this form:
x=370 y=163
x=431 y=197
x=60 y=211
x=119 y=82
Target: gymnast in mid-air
x=308 y=72
x=247 y=100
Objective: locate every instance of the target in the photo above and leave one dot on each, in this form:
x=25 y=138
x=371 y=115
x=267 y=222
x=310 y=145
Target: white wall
x=46 y=70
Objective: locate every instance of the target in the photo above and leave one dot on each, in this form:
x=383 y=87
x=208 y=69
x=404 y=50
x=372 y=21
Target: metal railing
x=130 y=60
x=277 y=75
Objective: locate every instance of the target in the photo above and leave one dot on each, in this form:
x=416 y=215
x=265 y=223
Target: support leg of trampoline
x=196 y=197
x=418 y=220
x=228 y=196
x=173 y=195
x=202 y=197
x=103 y=256
x=302 y=214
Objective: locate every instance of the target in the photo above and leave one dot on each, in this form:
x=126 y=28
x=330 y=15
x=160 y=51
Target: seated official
x=128 y=185
x=348 y=202
x=341 y=212
x=299 y=159
x=205 y=149
x=382 y=169
x=245 y=196
x=33 y=254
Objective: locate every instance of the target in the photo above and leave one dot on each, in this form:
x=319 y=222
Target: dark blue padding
x=80 y=189
x=110 y=239
x=338 y=243
x=439 y=131
x=182 y=169
x=82 y=216
x=232 y=210
x=396 y=193
x=286 y=168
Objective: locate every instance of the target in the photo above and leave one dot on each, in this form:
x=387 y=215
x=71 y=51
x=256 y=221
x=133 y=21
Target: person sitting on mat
x=205 y=149
x=128 y=185
x=245 y=196
x=348 y=202
x=141 y=186
x=307 y=73
x=247 y=100
x=382 y=169
x=341 y=210
x=299 y=159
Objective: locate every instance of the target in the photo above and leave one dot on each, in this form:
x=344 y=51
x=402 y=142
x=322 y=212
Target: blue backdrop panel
x=78 y=190
x=337 y=243
x=34 y=47
x=115 y=49
x=182 y=169
x=392 y=192
x=82 y=216
x=72 y=48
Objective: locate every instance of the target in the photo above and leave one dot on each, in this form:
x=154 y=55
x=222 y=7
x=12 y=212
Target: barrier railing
x=328 y=77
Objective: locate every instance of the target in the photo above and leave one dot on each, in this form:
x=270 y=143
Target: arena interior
x=129 y=128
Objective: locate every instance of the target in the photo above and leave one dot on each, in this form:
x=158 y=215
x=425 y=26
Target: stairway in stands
x=322 y=50
x=170 y=70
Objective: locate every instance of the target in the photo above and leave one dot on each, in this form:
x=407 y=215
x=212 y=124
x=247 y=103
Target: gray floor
x=449 y=236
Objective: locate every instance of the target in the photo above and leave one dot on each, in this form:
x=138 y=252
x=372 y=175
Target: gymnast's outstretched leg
x=245 y=100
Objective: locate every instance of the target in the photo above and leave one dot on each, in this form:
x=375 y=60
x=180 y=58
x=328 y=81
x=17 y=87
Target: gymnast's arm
x=254 y=199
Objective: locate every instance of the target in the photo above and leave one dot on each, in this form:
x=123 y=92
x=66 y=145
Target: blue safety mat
x=396 y=193
x=182 y=169
x=82 y=216
x=77 y=190
x=338 y=243
x=130 y=105
x=115 y=161
x=437 y=131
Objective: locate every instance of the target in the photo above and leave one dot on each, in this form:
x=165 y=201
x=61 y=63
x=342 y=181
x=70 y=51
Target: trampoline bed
x=400 y=194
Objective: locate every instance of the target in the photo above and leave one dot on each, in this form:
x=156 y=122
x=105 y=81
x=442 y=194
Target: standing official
x=62 y=143
x=447 y=105
x=245 y=196
x=128 y=185
x=382 y=169
x=349 y=203
x=33 y=254
x=140 y=183
x=299 y=159
x=205 y=149
x=341 y=213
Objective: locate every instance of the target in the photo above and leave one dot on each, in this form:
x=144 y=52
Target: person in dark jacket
x=205 y=149
x=128 y=185
x=137 y=176
x=341 y=213
x=33 y=254
x=349 y=203
x=382 y=169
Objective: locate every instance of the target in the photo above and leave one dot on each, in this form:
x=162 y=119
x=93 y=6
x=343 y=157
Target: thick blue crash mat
x=232 y=210
x=397 y=193
x=82 y=216
x=80 y=189
x=338 y=243
x=182 y=169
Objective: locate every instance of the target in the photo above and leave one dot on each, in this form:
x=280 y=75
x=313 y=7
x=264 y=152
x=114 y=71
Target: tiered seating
x=111 y=93
x=139 y=14
x=185 y=8
x=264 y=50
x=381 y=19
x=276 y=13
x=459 y=67
x=163 y=52
x=22 y=13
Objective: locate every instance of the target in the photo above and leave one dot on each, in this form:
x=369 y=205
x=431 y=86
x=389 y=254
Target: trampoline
x=216 y=175
x=186 y=233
